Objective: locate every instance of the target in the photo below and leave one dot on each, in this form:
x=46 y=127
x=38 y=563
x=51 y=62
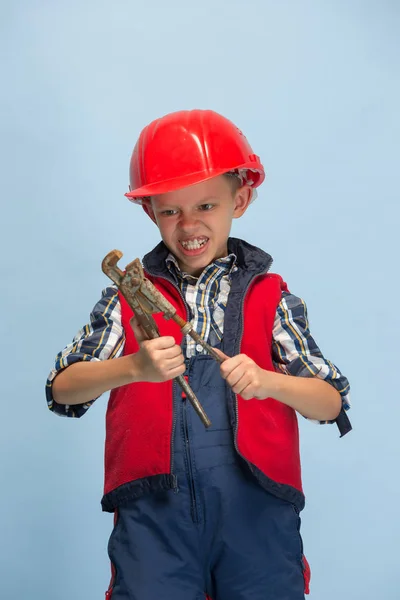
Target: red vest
x=140 y=415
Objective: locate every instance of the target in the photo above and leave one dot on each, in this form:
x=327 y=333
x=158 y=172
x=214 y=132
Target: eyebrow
x=175 y=206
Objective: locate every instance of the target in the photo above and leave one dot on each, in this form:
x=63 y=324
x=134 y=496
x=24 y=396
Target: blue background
x=315 y=88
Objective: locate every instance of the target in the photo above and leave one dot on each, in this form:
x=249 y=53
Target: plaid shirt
x=294 y=350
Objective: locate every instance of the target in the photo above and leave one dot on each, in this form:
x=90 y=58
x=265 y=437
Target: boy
x=202 y=511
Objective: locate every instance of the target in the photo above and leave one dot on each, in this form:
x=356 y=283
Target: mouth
x=194 y=246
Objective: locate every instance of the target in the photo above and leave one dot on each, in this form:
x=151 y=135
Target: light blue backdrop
x=315 y=87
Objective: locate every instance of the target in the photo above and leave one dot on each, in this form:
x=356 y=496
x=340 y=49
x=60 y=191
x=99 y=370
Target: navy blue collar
x=249 y=258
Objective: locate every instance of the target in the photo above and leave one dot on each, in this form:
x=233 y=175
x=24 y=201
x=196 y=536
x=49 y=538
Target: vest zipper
x=174 y=396
x=195 y=515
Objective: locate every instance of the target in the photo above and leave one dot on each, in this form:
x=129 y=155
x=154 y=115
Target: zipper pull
x=175 y=487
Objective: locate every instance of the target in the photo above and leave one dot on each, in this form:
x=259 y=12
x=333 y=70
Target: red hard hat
x=187 y=147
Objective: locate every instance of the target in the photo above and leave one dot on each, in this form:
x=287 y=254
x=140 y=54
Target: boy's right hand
x=158 y=359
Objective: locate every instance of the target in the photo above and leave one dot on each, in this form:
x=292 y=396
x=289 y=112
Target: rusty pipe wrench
x=145 y=299
x=158 y=303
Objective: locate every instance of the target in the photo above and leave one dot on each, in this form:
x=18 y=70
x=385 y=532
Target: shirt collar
x=227 y=264
x=249 y=259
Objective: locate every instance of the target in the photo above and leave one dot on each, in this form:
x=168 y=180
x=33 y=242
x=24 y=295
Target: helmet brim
x=171 y=185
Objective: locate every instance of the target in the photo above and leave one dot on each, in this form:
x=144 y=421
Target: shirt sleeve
x=102 y=338
x=295 y=352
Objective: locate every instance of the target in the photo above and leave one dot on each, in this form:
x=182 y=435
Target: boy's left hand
x=244 y=376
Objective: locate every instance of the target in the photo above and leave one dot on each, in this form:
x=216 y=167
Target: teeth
x=194 y=244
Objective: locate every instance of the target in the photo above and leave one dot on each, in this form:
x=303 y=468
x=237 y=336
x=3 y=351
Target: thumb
x=138 y=331
x=221 y=354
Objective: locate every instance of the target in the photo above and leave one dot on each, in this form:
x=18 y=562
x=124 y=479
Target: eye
x=206 y=207
x=168 y=213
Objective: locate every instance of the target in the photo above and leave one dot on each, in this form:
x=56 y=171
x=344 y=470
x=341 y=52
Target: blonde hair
x=235 y=180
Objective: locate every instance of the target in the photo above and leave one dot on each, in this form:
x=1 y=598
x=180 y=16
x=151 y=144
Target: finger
x=221 y=354
x=242 y=385
x=173 y=363
x=173 y=352
x=237 y=380
x=162 y=343
x=177 y=371
x=167 y=374
x=229 y=365
x=246 y=393
x=138 y=331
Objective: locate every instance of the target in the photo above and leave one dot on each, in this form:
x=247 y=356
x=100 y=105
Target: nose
x=188 y=222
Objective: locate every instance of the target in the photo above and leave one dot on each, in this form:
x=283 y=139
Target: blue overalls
x=220 y=533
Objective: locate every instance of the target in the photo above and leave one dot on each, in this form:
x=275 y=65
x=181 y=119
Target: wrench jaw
x=134 y=275
x=113 y=257
x=135 y=267
x=109 y=266
x=151 y=299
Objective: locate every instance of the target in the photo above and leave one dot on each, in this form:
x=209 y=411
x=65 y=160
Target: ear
x=149 y=211
x=242 y=201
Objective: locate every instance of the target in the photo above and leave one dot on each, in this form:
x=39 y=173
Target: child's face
x=195 y=221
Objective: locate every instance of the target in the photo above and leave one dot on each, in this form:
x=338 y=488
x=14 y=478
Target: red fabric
x=267 y=428
x=307 y=575
x=139 y=416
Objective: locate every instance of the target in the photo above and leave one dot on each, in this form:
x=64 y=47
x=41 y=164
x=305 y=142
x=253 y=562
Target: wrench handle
x=193 y=400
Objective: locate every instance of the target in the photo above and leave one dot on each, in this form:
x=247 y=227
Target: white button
x=201 y=309
x=199 y=348
x=202 y=286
